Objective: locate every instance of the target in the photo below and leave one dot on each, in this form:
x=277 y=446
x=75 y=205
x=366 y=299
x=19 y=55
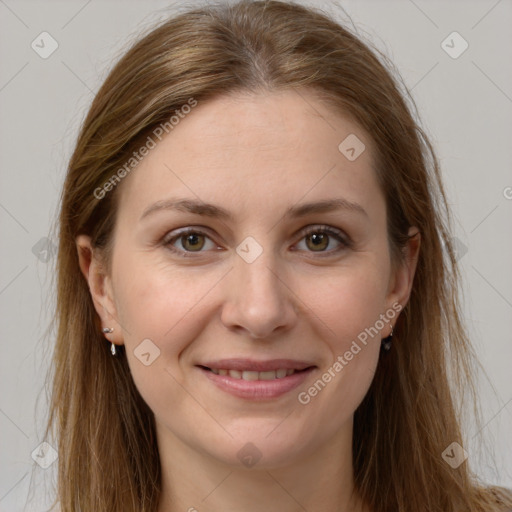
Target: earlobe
x=100 y=288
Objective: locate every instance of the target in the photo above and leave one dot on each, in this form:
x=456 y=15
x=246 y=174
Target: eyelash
x=335 y=233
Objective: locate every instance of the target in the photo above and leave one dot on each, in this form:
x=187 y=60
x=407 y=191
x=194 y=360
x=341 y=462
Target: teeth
x=250 y=375
x=271 y=375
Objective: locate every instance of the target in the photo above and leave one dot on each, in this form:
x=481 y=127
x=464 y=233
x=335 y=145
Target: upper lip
x=256 y=366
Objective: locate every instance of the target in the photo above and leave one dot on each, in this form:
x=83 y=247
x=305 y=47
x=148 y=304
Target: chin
x=260 y=445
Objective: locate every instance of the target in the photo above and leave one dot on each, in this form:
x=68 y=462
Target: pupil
x=192 y=240
x=319 y=239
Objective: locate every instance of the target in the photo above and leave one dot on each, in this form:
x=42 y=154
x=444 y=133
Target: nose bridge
x=259 y=301
x=255 y=259
x=258 y=278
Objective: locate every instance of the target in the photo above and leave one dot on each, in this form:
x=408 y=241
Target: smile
x=253 y=380
x=249 y=375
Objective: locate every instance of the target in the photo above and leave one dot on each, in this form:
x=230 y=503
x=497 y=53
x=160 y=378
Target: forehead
x=255 y=151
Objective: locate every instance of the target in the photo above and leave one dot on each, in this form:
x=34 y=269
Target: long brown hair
x=105 y=432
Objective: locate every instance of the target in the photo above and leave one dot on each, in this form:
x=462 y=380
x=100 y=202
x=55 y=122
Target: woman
x=254 y=302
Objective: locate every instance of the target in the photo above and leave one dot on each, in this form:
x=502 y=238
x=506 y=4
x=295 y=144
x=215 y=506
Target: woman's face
x=256 y=290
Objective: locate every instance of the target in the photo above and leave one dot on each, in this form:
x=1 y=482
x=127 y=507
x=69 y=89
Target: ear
x=402 y=277
x=100 y=286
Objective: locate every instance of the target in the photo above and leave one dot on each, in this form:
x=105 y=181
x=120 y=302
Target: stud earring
x=108 y=330
x=386 y=342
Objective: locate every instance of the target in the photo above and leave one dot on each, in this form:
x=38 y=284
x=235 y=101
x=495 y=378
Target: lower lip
x=257 y=389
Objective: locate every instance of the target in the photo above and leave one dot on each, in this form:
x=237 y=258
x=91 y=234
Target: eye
x=318 y=239
x=188 y=241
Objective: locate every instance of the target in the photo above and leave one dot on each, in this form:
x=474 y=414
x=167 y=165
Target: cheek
x=166 y=306
x=350 y=300
x=350 y=306
x=156 y=301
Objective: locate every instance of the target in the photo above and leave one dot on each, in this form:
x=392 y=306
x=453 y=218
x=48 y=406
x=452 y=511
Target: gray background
x=465 y=105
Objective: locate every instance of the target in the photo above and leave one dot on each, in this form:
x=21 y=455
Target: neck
x=195 y=481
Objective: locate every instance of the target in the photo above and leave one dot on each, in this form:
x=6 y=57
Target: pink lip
x=257 y=389
x=256 y=366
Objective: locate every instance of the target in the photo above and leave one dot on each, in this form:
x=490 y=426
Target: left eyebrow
x=324 y=206
x=211 y=210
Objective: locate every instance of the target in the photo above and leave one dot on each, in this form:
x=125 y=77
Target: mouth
x=280 y=373
x=256 y=380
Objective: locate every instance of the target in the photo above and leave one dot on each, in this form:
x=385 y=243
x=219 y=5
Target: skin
x=255 y=155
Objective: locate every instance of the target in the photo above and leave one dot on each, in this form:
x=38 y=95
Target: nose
x=259 y=301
